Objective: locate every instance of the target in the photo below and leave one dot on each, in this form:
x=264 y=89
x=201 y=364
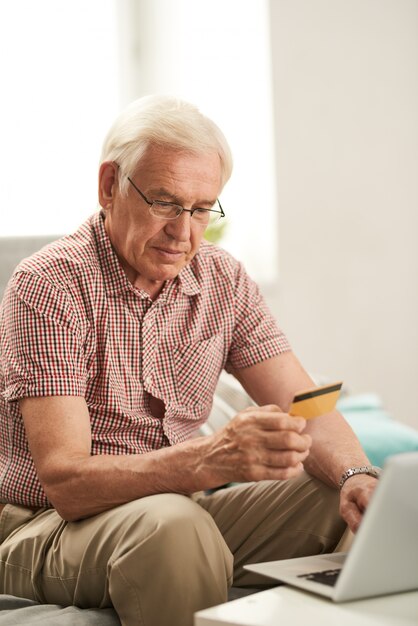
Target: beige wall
x=345 y=76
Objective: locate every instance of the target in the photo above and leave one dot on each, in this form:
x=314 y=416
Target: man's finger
x=275 y=420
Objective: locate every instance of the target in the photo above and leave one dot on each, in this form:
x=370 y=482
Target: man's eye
x=163 y=205
x=165 y=209
x=166 y=206
x=201 y=211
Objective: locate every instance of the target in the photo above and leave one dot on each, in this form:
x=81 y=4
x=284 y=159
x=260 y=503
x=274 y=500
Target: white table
x=284 y=606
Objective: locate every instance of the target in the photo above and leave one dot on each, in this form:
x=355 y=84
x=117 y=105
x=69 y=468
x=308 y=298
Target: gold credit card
x=316 y=401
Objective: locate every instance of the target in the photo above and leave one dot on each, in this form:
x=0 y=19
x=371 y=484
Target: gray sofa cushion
x=13 y=250
x=21 y=612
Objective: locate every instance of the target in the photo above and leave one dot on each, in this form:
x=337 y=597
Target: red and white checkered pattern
x=72 y=324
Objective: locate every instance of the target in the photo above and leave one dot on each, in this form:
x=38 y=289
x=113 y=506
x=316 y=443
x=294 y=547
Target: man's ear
x=108 y=180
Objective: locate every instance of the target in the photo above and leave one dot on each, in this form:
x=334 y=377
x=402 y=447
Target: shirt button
x=148 y=380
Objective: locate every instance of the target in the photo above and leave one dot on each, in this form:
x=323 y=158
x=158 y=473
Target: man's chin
x=167 y=271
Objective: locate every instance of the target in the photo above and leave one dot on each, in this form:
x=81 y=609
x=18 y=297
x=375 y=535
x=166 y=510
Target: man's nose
x=180 y=227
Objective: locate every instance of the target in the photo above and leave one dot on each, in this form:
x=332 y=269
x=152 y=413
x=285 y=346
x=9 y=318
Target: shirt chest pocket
x=196 y=369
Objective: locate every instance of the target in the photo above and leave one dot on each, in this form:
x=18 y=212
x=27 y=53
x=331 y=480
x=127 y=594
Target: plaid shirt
x=72 y=324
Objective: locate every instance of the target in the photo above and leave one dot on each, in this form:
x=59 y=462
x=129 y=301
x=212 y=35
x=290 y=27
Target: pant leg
x=157 y=560
x=272 y=520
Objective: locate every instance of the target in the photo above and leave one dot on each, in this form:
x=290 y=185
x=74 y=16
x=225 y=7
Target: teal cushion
x=380 y=435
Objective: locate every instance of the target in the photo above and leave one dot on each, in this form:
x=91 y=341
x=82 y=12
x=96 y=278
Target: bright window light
x=58 y=63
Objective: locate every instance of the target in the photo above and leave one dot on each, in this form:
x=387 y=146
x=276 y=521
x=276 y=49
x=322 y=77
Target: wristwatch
x=371 y=470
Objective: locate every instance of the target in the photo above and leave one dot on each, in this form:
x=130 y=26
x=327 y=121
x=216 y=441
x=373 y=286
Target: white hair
x=166 y=122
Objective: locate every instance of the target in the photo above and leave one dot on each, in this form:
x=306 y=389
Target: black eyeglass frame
x=161 y=203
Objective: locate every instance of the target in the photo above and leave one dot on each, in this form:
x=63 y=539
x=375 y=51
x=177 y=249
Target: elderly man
x=112 y=342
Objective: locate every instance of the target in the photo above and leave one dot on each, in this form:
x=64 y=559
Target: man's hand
x=355 y=497
x=260 y=443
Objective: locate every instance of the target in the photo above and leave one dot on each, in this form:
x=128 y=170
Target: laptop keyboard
x=326 y=577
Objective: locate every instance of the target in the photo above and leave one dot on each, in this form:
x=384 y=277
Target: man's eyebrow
x=159 y=193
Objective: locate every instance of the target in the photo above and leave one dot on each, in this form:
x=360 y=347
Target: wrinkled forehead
x=167 y=163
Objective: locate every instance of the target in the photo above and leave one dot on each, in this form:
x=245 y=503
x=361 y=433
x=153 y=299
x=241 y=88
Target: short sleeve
x=256 y=336
x=41 y=344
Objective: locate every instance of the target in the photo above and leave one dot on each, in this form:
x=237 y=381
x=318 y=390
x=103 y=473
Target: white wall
x=345 y=78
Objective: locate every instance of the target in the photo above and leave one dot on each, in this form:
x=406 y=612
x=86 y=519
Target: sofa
x=380 y=434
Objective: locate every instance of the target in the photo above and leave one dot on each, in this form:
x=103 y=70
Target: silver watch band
x=371 y=470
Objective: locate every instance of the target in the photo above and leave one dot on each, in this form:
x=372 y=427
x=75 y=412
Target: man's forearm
x=259 y=443
x=83 y=487
x=334 y=449
x=79 y=484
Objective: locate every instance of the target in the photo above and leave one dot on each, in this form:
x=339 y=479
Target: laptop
x=383 y=558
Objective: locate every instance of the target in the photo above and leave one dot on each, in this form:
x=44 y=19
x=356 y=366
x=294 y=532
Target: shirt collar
x=115 y=279
x=187 y=279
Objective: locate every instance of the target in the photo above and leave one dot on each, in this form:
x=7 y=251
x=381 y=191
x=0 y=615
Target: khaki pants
x=159 y=559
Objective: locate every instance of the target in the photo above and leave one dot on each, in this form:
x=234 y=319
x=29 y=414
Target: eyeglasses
x=170 y=211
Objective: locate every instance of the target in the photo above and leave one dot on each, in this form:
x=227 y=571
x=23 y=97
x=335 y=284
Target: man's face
x=152 y=250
